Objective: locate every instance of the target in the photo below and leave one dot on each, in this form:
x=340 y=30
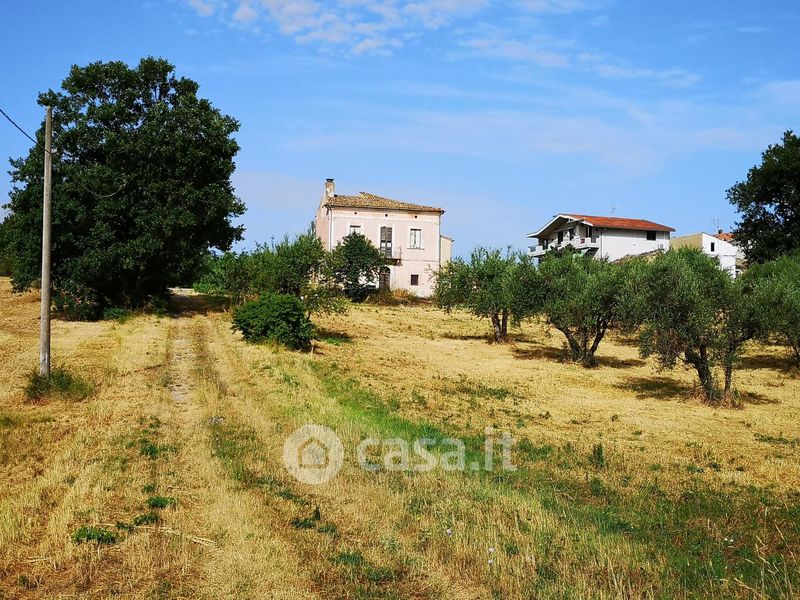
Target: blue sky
x=502 y=112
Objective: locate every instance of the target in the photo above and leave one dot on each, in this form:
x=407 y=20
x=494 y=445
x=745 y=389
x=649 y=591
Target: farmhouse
x=611 y=238
x=724 y=251
x=407 y=234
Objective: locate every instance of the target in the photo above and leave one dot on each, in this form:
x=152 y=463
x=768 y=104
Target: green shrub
x=89 y=533
x=61 y=383
x=277 y=317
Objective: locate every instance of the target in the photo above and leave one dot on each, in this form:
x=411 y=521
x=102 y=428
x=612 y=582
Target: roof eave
x=420 y=209
x=551 y=222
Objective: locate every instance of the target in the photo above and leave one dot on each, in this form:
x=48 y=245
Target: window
x=415 y=279
x=386 y=241
x=415 y=240
x=589 y=231
x=355 y=228
x=651 y=236
x=713 y=246
x=560 y=236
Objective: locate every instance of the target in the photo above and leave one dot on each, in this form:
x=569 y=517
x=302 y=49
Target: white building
x=723 y=251
x=610 y=238
x=741 y=259
x=407 y=234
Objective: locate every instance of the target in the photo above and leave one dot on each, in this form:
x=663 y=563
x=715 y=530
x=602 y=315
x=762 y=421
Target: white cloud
x=245 y=13
x=362 y=26
x=204 y=8
x=437 y=13
x=555 y=6
x=671 y=77
x=518 y=51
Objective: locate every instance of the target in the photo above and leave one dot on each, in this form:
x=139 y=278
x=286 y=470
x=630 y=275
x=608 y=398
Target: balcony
x=578 y=243
x=393 y=254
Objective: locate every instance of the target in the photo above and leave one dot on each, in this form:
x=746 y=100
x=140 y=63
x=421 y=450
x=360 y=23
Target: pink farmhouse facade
x=408 y=235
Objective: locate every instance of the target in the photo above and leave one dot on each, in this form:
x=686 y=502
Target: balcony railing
x=577 y=242
x=392 y=253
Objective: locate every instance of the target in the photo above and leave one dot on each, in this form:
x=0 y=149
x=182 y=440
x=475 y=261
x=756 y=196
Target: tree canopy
x=694 y=312
x=490 y=285
x=141 y=187
x=583 y=297
x=775 y=289
x=355 y=265
x=769 y=203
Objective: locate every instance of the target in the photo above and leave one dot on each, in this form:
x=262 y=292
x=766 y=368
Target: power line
x=14 y=123
x=27 y=135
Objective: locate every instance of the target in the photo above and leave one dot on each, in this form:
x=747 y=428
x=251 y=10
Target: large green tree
x=769 y=203
x=141 y=186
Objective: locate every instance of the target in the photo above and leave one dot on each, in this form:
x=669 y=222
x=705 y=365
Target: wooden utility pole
x=44 y=330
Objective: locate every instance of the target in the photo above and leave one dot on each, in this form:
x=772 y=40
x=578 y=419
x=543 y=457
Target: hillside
x=626 y=486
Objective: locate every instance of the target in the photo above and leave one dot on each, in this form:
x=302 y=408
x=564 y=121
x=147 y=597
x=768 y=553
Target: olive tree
x=694 y=312
x=489 y=286
x=776 y=285
x=583 y=298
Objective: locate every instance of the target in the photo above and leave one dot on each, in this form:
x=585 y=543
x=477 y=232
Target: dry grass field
x=626 y=487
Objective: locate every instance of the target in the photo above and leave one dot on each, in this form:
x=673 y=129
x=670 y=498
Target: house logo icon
x=313 y=454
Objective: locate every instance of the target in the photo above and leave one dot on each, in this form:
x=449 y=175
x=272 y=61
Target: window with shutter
x=386 y=241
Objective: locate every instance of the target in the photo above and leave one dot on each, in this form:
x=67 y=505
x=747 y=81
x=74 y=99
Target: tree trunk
x=588 y=358
x=504 y=324
x=728 y=382
x=499 y=327
x=574 y=346
x=699 y=360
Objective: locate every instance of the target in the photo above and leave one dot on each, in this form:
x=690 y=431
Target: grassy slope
x=691 y=501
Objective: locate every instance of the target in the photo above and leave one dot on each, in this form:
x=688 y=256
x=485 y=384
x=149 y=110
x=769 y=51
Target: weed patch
x=160 y=502
x=147 y=518
x=59 y=384
x=89 y=533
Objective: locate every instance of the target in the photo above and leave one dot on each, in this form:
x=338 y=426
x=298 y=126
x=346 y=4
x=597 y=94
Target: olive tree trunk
x=500 y=326
x=700 y=361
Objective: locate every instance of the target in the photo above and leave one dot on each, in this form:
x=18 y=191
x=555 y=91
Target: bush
x=61 y=383
x=280 y=318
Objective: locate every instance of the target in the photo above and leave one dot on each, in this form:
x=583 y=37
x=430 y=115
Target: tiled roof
x=619 y=222
x=725 y=237
x=367 y=200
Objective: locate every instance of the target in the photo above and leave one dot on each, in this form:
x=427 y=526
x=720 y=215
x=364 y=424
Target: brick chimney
x=330 y=189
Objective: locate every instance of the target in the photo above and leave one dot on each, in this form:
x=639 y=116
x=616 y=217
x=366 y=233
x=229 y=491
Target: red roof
x=725 y=237
x=619 y=222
